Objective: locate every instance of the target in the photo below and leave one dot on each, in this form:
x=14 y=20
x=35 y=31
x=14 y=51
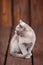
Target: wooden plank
x=24 y=10
x=0 y=11
x=37 y=25
x=4 y=37
x=19 y=13
x=38 y=59
x=6 y=13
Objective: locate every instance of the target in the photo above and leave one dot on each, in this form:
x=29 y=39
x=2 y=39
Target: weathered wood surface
x=37 y=25
x=4 y=37
x=21 y=11
x=5 y=11
x=31 y=11
x=5 y=24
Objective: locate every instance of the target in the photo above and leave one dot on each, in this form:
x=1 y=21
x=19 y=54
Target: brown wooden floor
x=30 y=11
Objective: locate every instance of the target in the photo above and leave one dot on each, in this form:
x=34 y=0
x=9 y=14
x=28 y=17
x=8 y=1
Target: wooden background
x=11 y=11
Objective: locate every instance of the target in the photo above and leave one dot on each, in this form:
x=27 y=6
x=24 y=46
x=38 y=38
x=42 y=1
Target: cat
x=23 y=41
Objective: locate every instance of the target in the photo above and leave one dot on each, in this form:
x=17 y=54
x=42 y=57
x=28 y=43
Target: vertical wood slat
x=37 y=25
x=24 y=10
x=21 y=11
x=18 y=14
x=6 y=13
x=5 y=24
x=0 y=12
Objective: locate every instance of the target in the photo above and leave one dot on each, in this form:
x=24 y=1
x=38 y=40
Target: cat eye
x=21 y=26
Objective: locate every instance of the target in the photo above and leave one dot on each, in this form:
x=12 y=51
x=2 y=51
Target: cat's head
x=20 y=27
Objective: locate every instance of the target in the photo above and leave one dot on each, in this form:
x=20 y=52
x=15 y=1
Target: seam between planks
x=32 y=58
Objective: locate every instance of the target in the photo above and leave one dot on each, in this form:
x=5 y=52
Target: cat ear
x=22 y=23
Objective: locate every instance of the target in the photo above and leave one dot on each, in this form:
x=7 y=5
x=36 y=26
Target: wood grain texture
x=0 y=12
x=4 y=37
x=24 y=10
x=20 y=12
x=6 y=13
x=37 y=25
